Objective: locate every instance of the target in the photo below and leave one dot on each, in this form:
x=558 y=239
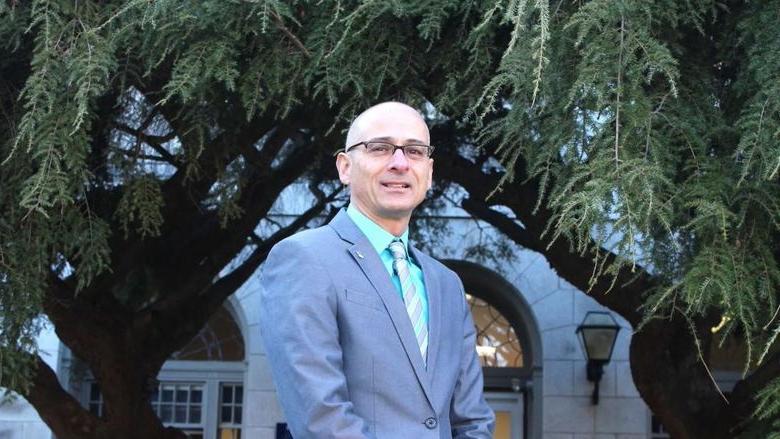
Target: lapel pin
x=360 y=255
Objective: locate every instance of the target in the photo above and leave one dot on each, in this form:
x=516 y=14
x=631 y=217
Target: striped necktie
x=414 y=306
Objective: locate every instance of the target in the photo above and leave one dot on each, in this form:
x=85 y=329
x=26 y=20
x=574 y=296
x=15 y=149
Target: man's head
x=386 y=187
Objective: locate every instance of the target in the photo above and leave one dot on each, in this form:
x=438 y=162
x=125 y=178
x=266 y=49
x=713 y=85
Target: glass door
x=508 y=407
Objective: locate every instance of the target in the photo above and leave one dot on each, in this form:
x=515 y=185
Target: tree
x=638 y=141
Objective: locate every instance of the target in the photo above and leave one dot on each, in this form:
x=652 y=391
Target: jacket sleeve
x=470 y=416
x=298 y=322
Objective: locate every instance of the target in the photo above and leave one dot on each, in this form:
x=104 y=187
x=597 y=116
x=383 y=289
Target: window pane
x=167 y=394
x=166 y=413
x=155 y=396
x=657 y=429
x=237 y=414
x=229 y=433
x=226 y=415
x=194 y=414
x=239 y=394
x=181 y=395
x=196 y=395
x=503 y=425
x=227 y=394
x=180 y=414
x=94 y=392
x=497 y=342
x=95 y=403
x=219 y=340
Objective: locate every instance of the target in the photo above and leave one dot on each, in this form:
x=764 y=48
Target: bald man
x=368 y=337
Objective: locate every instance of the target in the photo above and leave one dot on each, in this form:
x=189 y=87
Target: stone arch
x=494 y=289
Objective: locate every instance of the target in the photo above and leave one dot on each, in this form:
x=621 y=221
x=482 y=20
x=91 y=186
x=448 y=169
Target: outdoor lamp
x=597 y=332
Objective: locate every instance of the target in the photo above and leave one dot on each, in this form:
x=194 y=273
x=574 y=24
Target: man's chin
x=397 y=212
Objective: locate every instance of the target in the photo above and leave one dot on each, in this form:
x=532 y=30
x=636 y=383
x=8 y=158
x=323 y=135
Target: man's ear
x=343 y=164
x=430 y=175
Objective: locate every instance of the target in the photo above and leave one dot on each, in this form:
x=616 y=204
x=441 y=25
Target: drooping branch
x=577 y=269
x=183 y=214
x=217 y=246
x=58 y=408
x=670 y=378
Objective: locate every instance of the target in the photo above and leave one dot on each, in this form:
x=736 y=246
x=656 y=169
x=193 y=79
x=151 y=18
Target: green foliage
x=141 y=203
x=769 y=407
x=661 y=152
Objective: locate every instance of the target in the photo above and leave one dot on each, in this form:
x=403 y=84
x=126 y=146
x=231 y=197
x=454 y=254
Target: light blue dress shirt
x=380 y=239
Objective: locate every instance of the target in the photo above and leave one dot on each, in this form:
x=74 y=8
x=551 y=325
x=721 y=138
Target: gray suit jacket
x=343 y=352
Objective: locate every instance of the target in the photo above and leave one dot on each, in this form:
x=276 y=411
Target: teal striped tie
x=414 y=306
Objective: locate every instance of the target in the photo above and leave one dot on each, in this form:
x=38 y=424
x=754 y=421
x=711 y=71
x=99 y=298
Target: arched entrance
x=510 y=349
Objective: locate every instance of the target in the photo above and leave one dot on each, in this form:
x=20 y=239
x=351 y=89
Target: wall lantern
x=598 y=332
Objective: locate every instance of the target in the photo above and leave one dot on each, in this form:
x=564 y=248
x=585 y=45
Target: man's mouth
x=395 y=185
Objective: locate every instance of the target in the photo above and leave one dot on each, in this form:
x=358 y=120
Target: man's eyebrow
x=390 y=140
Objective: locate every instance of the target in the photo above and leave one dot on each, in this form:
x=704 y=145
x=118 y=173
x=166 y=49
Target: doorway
x=508 y=407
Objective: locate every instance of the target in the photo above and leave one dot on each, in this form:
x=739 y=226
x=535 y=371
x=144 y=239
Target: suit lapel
x=371 y=265
x=435 y=300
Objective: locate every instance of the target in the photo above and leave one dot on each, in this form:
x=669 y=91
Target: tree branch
x=744 y=392
x=155 y=142
x=155 y=158
x=231 y=282
x=281 y=26
x=182 y=316
x=58 y=408
x=623 y=298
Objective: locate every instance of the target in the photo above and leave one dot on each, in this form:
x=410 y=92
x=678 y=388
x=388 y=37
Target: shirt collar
x=377 y=236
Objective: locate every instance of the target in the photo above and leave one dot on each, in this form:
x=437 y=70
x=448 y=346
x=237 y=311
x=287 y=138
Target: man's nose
x=399 y=161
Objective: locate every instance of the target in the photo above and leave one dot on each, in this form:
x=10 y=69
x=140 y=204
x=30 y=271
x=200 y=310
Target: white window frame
x=209 y=374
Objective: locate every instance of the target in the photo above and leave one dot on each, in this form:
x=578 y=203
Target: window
x=497 y=343
x=231 y=400
x=95 y=403
x=219 y=340
x=657 y=430
x=180 y=405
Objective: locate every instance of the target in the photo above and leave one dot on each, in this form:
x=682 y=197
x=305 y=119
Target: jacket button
x=431 y=423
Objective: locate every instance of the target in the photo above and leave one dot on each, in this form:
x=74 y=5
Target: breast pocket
x=370 y=300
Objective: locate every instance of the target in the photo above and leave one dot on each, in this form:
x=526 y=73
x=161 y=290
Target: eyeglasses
x=385 y=150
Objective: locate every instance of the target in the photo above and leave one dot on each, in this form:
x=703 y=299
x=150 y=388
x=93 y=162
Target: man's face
x=387 y=188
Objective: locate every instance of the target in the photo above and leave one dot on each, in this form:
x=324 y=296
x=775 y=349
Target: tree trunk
x=673 y=381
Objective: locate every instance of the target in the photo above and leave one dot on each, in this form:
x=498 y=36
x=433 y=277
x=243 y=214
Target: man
x=367 y=337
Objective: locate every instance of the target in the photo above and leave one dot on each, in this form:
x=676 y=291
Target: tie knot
x=397 y=249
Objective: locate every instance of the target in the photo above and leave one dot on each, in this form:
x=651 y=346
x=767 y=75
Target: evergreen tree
x=639 y=143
